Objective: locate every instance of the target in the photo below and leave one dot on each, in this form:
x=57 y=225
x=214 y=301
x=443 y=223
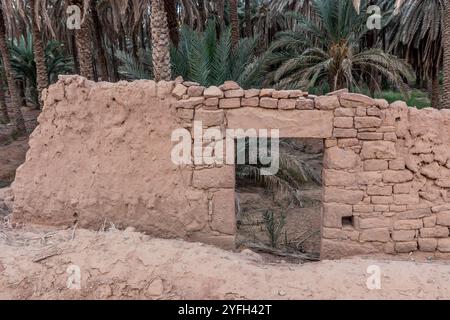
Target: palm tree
x=235 y=35
x=160 y=42
x=83 y=40
x=15 y=106
x=102 y=63
x=292 y=174
x=201 y=15
x=3 y=108
x=446 y=64
x=221 y=13
x=209 y=60
x=203 y=57
x=248 y=18
x=327 y=50
x=419 y=28
x=172 y=21
x=24 y=65
x=38 y=46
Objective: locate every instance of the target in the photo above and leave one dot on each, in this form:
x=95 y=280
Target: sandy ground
x=128 y=265
x=38 y=263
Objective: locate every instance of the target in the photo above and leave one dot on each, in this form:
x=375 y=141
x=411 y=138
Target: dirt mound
x=42 y=264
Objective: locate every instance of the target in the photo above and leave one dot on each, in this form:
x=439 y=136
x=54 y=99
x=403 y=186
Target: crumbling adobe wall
x=387 y=167
x=101 y=154
x=103 y=151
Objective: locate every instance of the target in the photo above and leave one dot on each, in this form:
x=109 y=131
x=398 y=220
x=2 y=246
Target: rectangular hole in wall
x=281 y=213
x=347 y=221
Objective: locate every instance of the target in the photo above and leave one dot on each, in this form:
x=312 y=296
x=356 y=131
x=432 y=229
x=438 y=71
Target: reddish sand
x=129 y=265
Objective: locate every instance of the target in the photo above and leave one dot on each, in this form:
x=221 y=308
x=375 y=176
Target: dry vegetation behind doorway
x=281 y=214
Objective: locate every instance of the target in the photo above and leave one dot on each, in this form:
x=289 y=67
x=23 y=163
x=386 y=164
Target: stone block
x=408 y=224
x=375 y=165
x=343 y=122
x=378 y=150
x=378 y=235
x=230 y=103
x=427 y=245
x=222 y=177
x=223 y=212
x=327 y=102
x=268 y=103
x=333 y=213
x=406 y=247
x=333 y=194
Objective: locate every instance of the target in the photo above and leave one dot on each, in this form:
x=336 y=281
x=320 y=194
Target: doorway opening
x=280 y=214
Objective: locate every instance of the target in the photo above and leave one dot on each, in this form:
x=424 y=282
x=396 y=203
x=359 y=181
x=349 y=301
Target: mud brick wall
x=386 y=169
x=102 y=151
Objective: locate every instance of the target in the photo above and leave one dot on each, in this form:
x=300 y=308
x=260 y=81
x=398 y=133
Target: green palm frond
x=252 y=74
x=130 y=68
x=24 y=66
x=220 y=71
x=57 y=61
x=328 y=50
x=242 y=56
x=22 y=58
x=198 y=59
x=207 y=58
x=272 y=182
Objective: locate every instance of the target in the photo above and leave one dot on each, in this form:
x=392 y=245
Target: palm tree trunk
x=371 y=40
x=21 y=88
x=142 y=36
x=221 y=13
x=248 y=19
x=115 y=72
x=39 y=54
x=73 y=49
x=102 y=64
x=172 y=21
x=446 y=97
x=160 y=42
x=18 y=118
x=234 y=23
x=373 y=83
x=84 y=43
x=4 y=109
x=435 y=90
x=202 y=15
x=135 y=44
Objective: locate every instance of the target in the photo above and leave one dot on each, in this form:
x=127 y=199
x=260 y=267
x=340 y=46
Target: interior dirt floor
x=302 y=230
x=36 y=264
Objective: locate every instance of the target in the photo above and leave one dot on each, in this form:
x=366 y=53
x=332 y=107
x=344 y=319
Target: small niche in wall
x=347 y=221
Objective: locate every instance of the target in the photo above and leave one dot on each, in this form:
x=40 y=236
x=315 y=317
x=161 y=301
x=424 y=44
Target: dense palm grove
x=314 y=45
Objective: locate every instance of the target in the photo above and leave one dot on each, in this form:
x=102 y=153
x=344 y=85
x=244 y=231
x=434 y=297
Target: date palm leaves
x=329 y=51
